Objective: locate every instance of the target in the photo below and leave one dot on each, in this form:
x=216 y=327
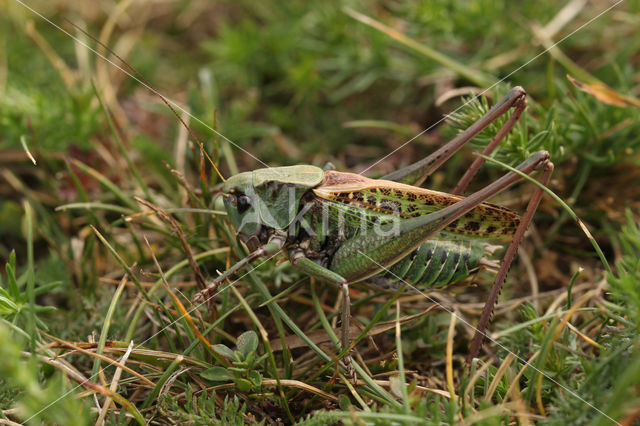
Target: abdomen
x=435 y=264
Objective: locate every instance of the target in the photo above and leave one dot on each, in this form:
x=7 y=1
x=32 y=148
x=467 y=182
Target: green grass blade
x=108 y=319
x=476 y=77
x=31 y=279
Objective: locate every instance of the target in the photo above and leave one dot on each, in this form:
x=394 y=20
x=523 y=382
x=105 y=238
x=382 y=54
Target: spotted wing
x=485 y=221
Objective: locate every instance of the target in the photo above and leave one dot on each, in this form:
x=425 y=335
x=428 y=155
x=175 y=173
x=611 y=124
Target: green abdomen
x=435 y=264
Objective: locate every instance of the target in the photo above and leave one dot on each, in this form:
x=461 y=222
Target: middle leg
x=312 y=269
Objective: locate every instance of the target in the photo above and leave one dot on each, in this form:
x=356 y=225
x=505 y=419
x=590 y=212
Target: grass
x=107 y=237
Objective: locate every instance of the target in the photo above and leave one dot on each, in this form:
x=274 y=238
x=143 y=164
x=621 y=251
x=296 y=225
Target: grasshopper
x=344 y=228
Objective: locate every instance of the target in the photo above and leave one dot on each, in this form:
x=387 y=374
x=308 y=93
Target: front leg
x=309 y=267
x=273 y=246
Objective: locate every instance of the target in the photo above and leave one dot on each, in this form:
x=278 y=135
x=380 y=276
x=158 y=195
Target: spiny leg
x=416 y=173
x=479 y=335
x=315 y=270
x=274 y=245
x=519 y=107
x=346 y=320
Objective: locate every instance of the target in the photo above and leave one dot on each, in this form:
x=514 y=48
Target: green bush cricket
x=344 y=228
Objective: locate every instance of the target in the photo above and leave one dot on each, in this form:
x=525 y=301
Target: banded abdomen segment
x=435 y=264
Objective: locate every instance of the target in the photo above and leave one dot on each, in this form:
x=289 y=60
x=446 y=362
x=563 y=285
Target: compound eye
x=244 y=203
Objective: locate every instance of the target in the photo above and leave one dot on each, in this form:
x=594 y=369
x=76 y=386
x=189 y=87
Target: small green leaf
x=243 y=385
x=7 y=306
x=223 y=350
x=249 y=359
x=14 y=290
x=247 y=343
x=40 y=309
x=344 y=403
x=260 y=359
x=12 y=259
x=46 y=288
x=255 y=377
x=217 y=374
